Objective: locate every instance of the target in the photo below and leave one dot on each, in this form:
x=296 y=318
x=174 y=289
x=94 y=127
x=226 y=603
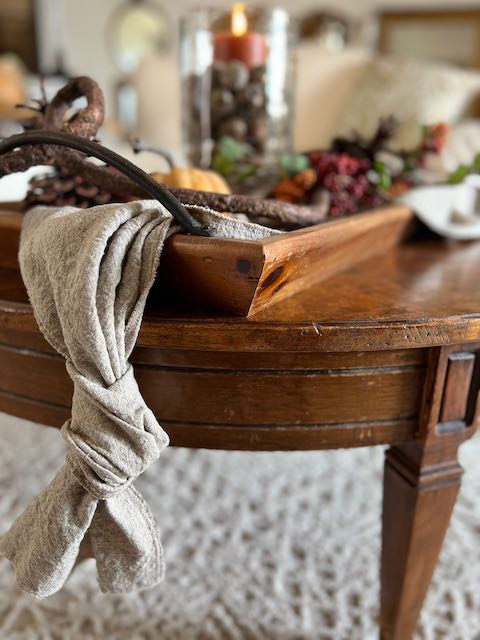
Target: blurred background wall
x=73 y=36
x=82 y=26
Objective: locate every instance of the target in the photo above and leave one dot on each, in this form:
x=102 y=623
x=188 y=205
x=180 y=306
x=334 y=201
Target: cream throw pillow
x=415 y=92
x=324 y=84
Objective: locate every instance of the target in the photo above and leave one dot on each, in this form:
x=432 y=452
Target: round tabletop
x=424 y=293
x=340 y=364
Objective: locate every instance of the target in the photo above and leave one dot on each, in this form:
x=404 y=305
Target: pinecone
x=63 y=190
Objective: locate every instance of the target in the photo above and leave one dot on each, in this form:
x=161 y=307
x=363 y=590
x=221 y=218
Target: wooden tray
x=240 y=277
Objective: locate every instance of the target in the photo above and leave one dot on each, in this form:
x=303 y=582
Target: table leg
x=421 y=484
x=418 y=502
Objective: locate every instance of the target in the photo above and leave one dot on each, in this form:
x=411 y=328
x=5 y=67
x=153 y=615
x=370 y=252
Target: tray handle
x=185 y=219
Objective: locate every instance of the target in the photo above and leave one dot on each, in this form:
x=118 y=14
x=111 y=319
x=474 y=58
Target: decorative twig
x=137 y=175
x=271 y=212
x=86 y=122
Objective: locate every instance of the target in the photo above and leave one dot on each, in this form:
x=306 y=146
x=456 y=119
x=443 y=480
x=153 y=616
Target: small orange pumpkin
x=183 y=177
x=193 y=178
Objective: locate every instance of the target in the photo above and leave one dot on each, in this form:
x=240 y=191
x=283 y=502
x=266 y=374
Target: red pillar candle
x=249 y=48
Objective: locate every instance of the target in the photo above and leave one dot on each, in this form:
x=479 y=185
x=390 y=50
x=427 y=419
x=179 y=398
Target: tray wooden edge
x=242 y=277
x=309 y=256
x=217 y=273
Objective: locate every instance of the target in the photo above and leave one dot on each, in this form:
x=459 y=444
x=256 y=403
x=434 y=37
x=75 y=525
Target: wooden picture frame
x=454 y=34
x=441 y=35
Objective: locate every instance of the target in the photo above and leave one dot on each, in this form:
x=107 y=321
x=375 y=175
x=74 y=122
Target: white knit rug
x=274 y=546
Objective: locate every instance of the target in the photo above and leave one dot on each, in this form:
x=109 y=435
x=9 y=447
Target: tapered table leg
x=418 y=503
x=421 y=484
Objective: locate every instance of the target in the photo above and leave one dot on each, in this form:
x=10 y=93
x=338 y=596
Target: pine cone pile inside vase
x=63 y=190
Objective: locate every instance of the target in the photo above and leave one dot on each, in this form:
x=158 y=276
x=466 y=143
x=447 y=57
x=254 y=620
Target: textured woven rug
x=259 y=546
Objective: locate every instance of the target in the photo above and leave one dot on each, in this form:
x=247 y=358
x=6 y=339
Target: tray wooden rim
x=242 y=277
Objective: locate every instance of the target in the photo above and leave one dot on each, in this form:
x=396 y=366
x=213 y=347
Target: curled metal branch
x=137 y=175
x=85 y=123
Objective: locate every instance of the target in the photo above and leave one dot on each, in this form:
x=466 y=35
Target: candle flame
x=239 y=19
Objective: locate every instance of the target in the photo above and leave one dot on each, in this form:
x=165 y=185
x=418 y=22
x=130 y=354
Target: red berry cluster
x=345 y=177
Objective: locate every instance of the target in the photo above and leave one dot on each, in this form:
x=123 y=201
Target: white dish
x=452 y=211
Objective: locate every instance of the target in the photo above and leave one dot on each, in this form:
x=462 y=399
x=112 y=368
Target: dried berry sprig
x=359 y=173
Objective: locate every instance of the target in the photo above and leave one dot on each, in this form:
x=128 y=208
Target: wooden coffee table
x=387 y=353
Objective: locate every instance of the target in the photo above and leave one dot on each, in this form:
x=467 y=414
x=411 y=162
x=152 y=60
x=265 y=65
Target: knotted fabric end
x=88 y=274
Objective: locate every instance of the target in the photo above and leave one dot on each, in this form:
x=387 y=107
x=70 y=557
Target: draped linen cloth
x=88 y=274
